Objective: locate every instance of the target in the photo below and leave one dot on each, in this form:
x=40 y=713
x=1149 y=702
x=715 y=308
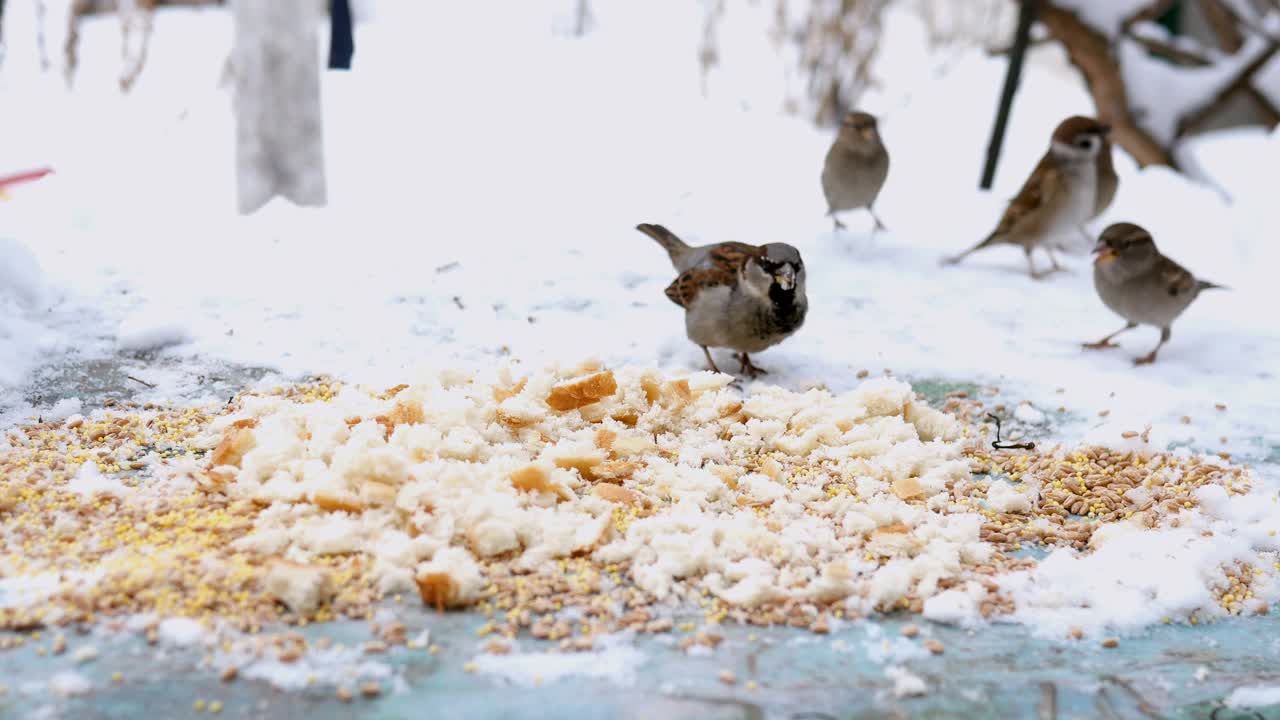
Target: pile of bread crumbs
x=565 y=504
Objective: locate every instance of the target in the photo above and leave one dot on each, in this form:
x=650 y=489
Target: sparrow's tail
x=987 y=242
x=674 y=246
x=1206 y=285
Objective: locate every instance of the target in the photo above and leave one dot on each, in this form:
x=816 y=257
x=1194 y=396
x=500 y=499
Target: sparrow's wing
x=1177 y=279
x=1037 y=192
x=719 y=268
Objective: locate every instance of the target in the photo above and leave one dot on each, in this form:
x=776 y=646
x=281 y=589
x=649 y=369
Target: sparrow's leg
x=837 y=226
x=1031 y=264
x=1151 y=356
x=1106 y=341
x=747 y=367
x=879 y=225
x=1054 y=260
x=710 y=362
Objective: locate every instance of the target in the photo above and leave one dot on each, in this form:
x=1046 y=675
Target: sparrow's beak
x=1105 y=252
x=868 y=133
x=785 y=277
x=1104 y=130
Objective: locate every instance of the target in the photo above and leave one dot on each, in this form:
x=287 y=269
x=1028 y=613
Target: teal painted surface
x=995 y=672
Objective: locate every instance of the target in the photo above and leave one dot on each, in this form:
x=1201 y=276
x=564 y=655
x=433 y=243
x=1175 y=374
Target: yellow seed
x=198 y=705
x=215 y=706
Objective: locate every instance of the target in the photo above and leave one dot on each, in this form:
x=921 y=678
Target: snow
x=68 y=683
x=905 y=682
x=953 y=607
x=64 y=409
x=181 y=631
x=152 y=329
x=1253 y=696
x=1105 y=15
x=89 y=480
x=336 y=665
x=468 y=226
x=617 y=663
x=1030 y=414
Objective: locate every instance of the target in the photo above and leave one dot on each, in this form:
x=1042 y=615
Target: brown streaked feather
x=1175 y=277
x=1043 y=183
x=720 y=268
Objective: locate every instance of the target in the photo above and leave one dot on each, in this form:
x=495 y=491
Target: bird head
x=859 y=130
x=777 y=273
x=1126 y=245
x=1079 y=138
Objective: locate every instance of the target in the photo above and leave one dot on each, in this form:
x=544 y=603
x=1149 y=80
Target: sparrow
x=1140 y=285
x=855 y=168
x=1073 y=183
x=738 y=296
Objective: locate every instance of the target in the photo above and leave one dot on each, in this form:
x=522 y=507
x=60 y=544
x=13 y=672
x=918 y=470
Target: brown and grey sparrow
x=1073 y=183
x=743 y=297
x=1140 y=285
x=856 y=167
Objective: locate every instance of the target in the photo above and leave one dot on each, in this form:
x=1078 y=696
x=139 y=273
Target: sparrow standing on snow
x=1073 y=183
x=1140 y=285
x=855 y=168
x=738 y=296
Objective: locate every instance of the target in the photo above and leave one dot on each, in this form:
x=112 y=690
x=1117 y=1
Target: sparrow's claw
x=1100 y=345
x=1145 y=359
x=749 y=368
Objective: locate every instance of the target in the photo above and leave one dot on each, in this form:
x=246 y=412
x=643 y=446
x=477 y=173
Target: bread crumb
x=302 y=588
x=582 y=392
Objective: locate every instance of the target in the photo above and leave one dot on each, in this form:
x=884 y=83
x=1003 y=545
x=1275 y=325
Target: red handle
x=24 y=176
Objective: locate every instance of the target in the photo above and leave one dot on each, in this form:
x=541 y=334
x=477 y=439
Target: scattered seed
x=934 y=646
x=909 y=631
x=1110 y=643
x=728 y=678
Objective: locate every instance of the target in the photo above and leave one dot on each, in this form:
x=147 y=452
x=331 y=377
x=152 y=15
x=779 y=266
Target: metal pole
x=341 y=41
x=1027 y=11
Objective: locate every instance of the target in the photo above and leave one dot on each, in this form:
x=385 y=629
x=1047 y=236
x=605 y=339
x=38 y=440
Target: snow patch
x=1254 y=696
x=152 y=330
x=616 y=664
x=905 y=683
x=69 y=683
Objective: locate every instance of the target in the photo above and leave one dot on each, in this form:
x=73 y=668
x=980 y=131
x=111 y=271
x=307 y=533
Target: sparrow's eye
x=1084 y=143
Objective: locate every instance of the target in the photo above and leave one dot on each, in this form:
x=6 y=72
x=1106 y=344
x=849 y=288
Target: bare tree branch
x=1224 y=24
x=1241 y=81
x=1170 y=52
x=1264 y=103
x=1090 y=51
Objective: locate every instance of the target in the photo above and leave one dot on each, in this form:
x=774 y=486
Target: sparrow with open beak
x=1140 y=284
